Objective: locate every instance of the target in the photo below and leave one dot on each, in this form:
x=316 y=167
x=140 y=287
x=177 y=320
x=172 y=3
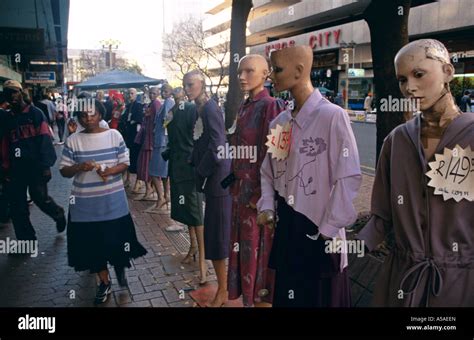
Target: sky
x=137 y=24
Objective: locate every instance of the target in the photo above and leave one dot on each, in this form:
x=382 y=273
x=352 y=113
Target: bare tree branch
x=185 y=49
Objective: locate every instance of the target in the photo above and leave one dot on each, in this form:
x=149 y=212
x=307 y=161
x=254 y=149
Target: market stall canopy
x=117 y=79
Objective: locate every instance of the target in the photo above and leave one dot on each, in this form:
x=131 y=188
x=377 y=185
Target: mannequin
x=314 y=181
x=209 y=134
x=249 y=274
x=430 y=263
x=132 y=117
x=158 y=166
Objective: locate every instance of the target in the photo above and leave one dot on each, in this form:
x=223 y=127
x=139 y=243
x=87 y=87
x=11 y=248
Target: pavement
x=156 y=280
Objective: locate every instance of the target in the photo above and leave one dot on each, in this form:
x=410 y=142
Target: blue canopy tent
x=117 y=79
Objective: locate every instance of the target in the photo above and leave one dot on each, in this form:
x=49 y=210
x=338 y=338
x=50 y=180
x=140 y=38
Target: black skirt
x=91 y=245
x=305 y=274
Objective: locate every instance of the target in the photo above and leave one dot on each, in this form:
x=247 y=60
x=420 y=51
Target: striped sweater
x=92 y=199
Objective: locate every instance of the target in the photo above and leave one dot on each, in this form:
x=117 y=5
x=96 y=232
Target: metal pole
x=353 y=56
x=346 y=104
x=110 y=56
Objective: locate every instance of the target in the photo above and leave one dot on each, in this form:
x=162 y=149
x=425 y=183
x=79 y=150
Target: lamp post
x=345 y=47
x=108 y=44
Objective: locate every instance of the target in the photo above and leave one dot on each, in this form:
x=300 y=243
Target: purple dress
x=211 y=171
x=145 y=138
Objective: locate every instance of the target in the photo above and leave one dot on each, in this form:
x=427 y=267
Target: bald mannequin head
x=132 y=94
x=291 y=67
x=424 y=71
x=252 y=72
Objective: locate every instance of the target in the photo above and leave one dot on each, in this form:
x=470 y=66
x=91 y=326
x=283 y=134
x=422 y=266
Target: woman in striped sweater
x=100 y=228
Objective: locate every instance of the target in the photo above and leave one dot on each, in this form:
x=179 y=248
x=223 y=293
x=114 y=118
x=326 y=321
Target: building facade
x=340 y=37
x=33 y=43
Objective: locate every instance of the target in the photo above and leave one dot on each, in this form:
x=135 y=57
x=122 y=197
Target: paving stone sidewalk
x=155 y=280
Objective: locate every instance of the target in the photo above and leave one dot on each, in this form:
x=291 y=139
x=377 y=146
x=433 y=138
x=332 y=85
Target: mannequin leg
x=263 y=305
x=199 y=230
x=193 y=249
x=222 y=294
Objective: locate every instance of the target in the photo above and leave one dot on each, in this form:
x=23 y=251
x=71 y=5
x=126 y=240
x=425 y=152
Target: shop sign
x=356 y=72
x=40 y=77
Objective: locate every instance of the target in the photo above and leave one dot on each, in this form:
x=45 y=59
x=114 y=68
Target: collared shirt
x=321 y=175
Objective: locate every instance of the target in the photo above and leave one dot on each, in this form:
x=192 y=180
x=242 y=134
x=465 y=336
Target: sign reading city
x=316 y=40
x=40 y=78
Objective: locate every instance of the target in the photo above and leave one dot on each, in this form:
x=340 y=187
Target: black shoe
x=61 y=223
x=103 y=290
x=121 y=277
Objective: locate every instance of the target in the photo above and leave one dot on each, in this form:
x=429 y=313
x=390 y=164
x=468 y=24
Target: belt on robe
x=435 y=280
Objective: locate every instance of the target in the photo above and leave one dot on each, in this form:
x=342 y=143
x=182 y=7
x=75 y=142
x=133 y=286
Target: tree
x=238 y=27
x=185 y=49
x=125 y=65
x=388 y=24
x=89 y=63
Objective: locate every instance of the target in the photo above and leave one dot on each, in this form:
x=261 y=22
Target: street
x=365 y=135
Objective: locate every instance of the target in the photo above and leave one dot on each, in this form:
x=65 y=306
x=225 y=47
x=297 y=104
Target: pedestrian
x=248 y=272
x=158 y=166
x=100 y=228
x=51 y=113
x=368 y=103
x=209 y=135
x=61 y=116
x=117 y=104
x=31 y=154
x=312 y=171
x=145 y=139
x=338 y=100
x=431 y=261
x=84 y=101
x=465 y=105
x=186 y=201
x=4 y=158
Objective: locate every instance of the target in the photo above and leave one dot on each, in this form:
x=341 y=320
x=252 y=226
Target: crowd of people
x=263 y=221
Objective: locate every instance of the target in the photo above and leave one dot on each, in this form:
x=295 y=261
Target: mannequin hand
x=252 y=206
x=266 y=217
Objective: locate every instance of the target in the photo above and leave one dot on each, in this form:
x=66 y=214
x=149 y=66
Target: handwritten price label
x=452 y=174
x=279 y=141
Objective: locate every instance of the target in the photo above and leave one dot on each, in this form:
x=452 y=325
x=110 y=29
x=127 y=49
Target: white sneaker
x=174 y=228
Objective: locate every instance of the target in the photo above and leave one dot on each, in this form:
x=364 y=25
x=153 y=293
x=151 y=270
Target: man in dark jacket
x=31 y=154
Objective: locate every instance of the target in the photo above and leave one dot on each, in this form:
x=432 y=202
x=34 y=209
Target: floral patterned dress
x=251 y=244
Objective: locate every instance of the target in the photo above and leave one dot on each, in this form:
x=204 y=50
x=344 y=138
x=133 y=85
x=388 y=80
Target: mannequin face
x=166 y=92
x=252 y=73
x=282 y=76
x=132 y=94
x=192 y=86
x=421 y=78
x=153 y=94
